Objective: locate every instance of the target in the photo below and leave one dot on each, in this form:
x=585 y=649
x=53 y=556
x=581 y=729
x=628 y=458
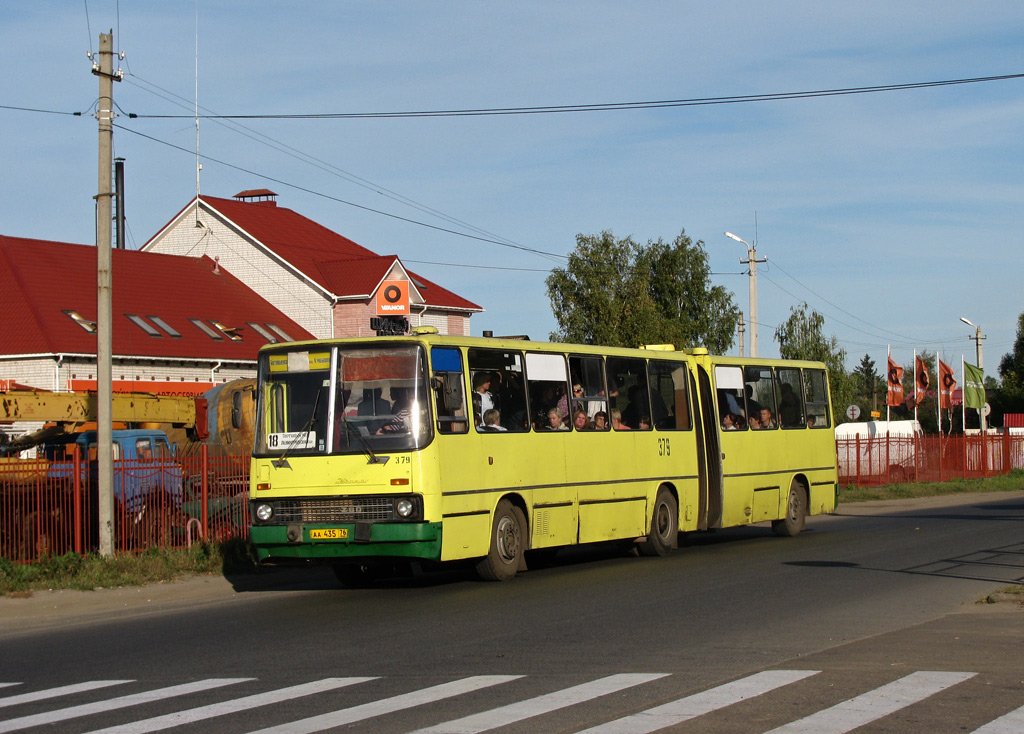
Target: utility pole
x=752 y=261
x=104 y=69
x=743 y=333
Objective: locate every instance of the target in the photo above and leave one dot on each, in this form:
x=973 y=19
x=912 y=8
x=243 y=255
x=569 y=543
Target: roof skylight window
x=277 y=330
x=262 y=332
x=165 y=326
x=207 y=330
x=143 y=324
x=89 y=326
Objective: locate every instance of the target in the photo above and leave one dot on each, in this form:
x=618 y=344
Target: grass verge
x=1012 y=482
x=87 y=572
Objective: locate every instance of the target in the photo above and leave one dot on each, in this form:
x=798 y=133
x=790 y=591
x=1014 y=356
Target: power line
x=343 y=201
x=309 y=159
x=606 y=106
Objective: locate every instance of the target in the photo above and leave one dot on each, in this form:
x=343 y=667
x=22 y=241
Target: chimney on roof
x=261 y=197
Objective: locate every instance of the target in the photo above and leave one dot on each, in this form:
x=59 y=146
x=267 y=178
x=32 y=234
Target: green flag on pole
x=974 y=386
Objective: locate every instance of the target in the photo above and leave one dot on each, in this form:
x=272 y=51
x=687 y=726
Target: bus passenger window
x=547 y=379
x=499 y=401
x=671 y=409
x=731 y=393
x=816 y=388
x=627 y=385
x=791 y=407
x=588 y=391
x=760 y=389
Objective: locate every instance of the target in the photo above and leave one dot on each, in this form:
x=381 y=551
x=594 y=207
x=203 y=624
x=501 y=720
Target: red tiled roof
x=40 y=280
x=320 y=254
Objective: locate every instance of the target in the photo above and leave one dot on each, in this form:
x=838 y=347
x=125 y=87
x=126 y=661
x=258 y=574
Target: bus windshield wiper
x=282 y=460
x=349 y=429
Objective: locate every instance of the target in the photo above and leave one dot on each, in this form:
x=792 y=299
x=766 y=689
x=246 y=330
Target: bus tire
x=664 y=534
x=505 y=555
x=796 y=512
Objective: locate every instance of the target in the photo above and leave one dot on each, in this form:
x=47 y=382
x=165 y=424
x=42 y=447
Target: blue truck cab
x=144 y=465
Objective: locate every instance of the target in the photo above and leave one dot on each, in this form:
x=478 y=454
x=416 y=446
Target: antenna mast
x=199 y=165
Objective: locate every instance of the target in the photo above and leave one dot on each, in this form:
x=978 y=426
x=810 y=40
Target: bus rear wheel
x=664 y=534
x=796 y=512
x=505 y=555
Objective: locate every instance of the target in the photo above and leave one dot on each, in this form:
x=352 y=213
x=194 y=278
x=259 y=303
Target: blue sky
x=891 y=214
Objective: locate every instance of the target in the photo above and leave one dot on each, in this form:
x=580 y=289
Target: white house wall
x=264 y=274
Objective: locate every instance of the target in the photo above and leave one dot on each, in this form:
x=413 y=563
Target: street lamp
x=977 y=341
x=752 y=261
x=977 y=351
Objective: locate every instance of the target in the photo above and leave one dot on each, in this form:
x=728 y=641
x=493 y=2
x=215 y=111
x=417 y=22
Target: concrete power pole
x=104 y=69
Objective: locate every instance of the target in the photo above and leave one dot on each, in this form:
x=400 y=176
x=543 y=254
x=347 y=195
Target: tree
x=867 y=384
x=801 y=337
x=1009 y=396
x=619 y=293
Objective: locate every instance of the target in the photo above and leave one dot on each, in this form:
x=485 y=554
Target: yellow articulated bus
x=376 y=452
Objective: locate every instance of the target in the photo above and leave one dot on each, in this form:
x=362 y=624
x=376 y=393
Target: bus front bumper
x=316 y=541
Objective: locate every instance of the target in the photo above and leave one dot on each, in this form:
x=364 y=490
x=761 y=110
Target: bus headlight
x=264 y=512
x=404 y=508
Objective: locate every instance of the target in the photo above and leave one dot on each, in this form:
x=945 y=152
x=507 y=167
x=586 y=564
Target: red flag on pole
x=894 y=396
x=947 y=384
x=921 y=379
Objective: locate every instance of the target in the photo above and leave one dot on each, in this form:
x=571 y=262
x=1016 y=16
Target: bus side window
x=449 y=396
x=761 y=398
x=548 y=388
x=791 y=403
x=668 y=395
x=816 y=389
x=592 y=397
x=629 y=395
x=731 y=398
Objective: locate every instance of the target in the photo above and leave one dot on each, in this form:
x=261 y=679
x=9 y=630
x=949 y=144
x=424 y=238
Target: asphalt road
x=861 y=600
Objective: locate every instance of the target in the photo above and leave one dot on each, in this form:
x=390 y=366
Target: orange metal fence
x=50 y=508
x=931 y=458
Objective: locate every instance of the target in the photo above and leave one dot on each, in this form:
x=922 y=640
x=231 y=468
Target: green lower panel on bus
x=398 y=540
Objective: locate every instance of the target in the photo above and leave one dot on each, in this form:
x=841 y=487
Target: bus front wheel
x=796 y=512
x=505 y=555
x=664 y=533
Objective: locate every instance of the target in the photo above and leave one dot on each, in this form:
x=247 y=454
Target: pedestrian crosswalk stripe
x=1012 y=723
x=388 y=705
x=179 y=718
x=698 y=704
x=514 y=712
x=60 y=691
x=116 y=703
x=867 y=707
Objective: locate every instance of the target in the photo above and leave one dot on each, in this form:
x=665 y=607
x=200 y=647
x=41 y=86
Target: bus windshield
x=343 y=400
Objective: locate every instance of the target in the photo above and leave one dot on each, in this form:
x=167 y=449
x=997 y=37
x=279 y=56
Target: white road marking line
x=863 y=709
x=1011 y=723
x=116 y=703
x=387 y=705
x=699 y=704
x=512 y=713
x=60 y=691
x=179 y=718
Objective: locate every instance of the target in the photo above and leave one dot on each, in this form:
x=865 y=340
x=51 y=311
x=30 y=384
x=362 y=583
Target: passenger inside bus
x=492 y=421
x=555 y=421
x=600 y=421
x=580 y=420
